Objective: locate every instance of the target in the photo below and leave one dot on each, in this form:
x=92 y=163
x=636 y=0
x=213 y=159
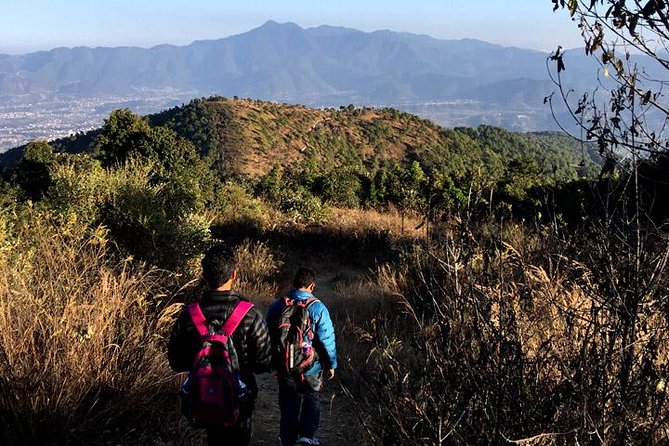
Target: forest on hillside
x=347 y=157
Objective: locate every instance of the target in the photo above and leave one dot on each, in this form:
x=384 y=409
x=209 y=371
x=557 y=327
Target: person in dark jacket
x=250 y=340
x=299 y=397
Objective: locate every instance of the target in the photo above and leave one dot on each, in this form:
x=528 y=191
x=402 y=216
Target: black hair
x=304 y=277
x=218 y=265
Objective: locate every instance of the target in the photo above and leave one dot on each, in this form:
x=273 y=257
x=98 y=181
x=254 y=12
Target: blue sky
x=30 y=25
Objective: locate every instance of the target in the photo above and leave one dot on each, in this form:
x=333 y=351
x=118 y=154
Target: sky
x=32 y=25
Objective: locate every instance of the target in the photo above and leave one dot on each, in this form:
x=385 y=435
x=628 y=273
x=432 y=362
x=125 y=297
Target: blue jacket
x=324 y=333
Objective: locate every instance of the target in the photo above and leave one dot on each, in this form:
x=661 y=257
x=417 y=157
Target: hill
x=250 y=136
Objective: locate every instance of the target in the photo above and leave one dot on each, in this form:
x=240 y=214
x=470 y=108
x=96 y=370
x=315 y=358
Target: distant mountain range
x=454 y=82
x=282 y=62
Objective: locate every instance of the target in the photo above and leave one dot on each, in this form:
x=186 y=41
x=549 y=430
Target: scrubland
x=490 y=332
x=520 y=308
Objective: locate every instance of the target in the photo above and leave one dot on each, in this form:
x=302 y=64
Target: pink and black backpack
x=211 y=394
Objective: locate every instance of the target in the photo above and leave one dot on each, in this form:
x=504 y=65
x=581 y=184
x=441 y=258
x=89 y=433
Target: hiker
x=303 y=356
x=197 y=335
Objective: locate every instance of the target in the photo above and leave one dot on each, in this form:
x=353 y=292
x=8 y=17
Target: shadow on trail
x=360 y=249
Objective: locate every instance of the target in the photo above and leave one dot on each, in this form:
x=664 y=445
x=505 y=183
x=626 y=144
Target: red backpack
x=212 y=391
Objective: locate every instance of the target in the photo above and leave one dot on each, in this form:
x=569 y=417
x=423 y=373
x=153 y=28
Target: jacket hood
x=300 y=295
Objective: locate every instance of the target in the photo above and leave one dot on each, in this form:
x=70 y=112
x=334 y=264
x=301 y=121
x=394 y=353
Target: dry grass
x=365 y=221
x=258 y=269
x=478 y=342
x=80 y=341
x=496 y=334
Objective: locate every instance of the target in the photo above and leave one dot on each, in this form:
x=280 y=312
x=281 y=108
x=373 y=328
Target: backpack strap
x=231 y=324
x=307 y=303
x=198 y=319
x=238 y=314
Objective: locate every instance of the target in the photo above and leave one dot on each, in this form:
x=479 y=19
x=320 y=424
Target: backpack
x=212 y=392
x=294 y=352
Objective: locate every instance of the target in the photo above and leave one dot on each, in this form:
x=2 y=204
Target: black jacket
x=251 y=338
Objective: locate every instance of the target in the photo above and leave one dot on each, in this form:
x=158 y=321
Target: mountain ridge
x=452 y=82
x=350 y=54
x=271 y=23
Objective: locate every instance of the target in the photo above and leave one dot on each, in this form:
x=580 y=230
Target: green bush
x=301 y=206
x=160 y=223
x=79 y=187
x=234 y=203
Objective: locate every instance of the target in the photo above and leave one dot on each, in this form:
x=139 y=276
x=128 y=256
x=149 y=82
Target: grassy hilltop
x=253 y=135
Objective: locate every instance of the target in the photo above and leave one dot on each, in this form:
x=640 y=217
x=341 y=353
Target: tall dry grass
x=365 y=221
x=81 y=340
x=258 y=268
x=502 y=334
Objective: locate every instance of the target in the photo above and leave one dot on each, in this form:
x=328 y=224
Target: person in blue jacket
x=299 y=397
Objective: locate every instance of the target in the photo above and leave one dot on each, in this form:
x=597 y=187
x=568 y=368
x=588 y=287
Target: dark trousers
x=239 y=435
x=300 y=405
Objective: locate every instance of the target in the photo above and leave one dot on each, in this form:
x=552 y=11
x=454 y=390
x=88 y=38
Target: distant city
x=50 y=117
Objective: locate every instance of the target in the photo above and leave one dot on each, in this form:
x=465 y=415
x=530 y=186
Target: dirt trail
x=338 y=426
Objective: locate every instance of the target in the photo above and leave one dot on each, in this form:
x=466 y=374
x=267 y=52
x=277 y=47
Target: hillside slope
x=250 y=136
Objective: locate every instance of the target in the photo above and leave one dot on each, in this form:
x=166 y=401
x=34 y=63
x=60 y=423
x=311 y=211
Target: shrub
x=258 y=268
x=235 y=204
x=301 y=206
x=79 y=187
x=341 y=188
x=156 y=223
x=32 y=173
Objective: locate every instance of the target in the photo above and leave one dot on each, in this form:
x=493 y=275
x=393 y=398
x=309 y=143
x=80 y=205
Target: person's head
x=218 y=266
x=305 y=279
